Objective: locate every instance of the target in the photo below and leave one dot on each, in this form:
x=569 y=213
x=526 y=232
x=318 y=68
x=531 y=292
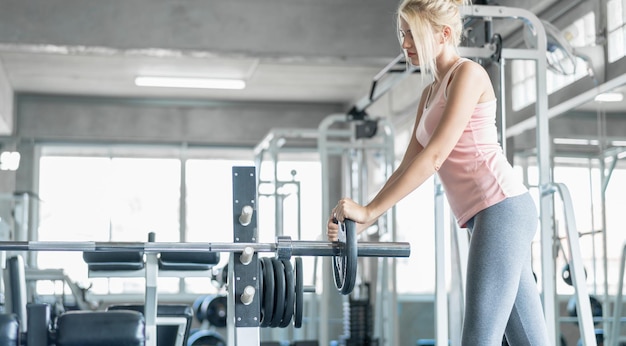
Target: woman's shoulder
x=472 y=75
x=471 y=68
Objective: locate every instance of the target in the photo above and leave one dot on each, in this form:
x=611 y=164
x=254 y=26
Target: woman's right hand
x=332 y=228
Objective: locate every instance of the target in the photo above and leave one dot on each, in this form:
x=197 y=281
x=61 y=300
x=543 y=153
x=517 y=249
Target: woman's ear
x=446 y=33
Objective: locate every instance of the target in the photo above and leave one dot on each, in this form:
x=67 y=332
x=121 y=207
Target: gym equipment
x=280 y=292
x=299 y=307
x=206 y=338
x=16 y=297
x=546 y=186
x=173 y=322
x=345 y=252
x=100 y=328
x=9 y=330
x=282 y=246
x=599 y=338
x=617 y=309
x=354 y=140
x=243 y=274
x=596 y=308
x=361 y=319
x=344 y=266
x=216 y=311
x=567 y=276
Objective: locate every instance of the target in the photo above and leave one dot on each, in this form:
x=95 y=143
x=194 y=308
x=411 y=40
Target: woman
x=455 y=136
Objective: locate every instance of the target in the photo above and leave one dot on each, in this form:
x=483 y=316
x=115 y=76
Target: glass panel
x=104 y=199
x=616 y=44
x=415 y=224
x=209 y=206
x=615 y=206
x=616 y=14
x=145 y=199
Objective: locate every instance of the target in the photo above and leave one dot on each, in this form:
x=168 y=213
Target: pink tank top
x=476 y=174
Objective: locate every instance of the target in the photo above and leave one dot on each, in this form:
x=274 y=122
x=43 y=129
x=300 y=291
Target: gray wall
x=46 y=118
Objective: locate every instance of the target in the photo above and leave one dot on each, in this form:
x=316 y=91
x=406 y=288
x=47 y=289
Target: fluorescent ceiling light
x=575 y=141
x=609 y=97
x=182 y=82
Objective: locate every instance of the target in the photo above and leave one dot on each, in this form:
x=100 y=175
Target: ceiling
x=110 y=73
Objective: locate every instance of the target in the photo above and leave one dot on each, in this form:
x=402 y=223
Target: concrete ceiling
x=59 y=53
x=110 y=73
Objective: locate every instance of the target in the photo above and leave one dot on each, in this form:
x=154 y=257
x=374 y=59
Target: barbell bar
x=297 y=247
x=344 y=251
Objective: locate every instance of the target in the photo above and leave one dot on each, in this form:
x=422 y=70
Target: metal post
x=583 y=305
x=617 y=306
x=441 y=297
x=151 y=298
x=459 y=253
x=343 y=142
x=246 y=316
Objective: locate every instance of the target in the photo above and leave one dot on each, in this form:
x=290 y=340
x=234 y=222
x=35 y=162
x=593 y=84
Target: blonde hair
x=425 y=17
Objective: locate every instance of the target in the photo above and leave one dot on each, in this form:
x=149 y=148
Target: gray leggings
x=502 y=296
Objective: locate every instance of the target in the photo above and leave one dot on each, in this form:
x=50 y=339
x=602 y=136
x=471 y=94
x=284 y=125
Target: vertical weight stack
x=361 y=320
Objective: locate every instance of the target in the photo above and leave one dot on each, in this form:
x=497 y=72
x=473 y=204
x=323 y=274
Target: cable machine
x=546 y=186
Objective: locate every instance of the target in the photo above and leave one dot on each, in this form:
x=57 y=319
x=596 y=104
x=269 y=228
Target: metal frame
x=583 y=305
x=547 y=188
x=284 y=245
x=272 y=146
x=243 y=324
x=244 y=308
x=340 y=141
x=613 y=339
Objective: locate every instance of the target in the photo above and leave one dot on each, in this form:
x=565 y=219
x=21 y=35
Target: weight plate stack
x=281 y=292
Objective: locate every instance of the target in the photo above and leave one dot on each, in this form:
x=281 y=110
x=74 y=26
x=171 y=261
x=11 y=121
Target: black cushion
x=100 y=328
x=113 y=261
x=166 y=334
x=188 y=260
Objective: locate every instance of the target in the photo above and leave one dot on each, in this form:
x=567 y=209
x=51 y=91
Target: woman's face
x=407 y=43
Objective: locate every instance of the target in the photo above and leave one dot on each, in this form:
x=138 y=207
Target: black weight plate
x=279 y=292
x=290 y=293
x=345 y=264
x=566 y=274
x=216 y=312
x=268 y=292
x=260 y=292
x=299 y=289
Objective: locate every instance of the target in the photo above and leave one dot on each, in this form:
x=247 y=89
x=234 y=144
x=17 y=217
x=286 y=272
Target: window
x=616 y=28
x=209 y=205
x=584 y=183
x=106 y=199
x=581 y=33
x=416 y=224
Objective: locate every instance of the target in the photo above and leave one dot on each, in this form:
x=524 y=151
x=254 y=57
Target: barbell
x=344 y=251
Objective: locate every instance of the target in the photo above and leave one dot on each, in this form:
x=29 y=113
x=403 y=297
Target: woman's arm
x=417 y=167
x=413 y=148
